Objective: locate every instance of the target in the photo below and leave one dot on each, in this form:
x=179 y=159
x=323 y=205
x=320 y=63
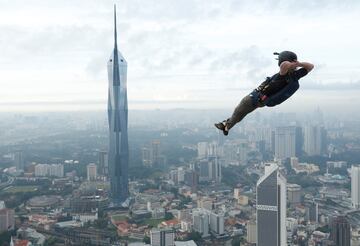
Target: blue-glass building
x=118 y=156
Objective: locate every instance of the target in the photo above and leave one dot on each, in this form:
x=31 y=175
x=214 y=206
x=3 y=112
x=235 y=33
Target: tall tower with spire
x=118 y=156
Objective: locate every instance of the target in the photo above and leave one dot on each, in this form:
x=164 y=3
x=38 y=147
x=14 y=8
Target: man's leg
x=245 y=106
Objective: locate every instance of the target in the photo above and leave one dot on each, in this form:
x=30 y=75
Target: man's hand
x=307 y=65
x=287 y=66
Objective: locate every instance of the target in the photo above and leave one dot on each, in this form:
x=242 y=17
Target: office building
x=7 y=219
x=314 y=140
x=216 y=223
x=271 y=208
x=103 y=164
x=312 y=212
x=118 y=153
x=201 y=222
x=251 y=232
x=294 y=194
x=47 y=170
x=19 y=160
x=162 y=237
x=202 y=148
x=288 y=142
x=91 y=172
x=355 y=186
x=340 y=232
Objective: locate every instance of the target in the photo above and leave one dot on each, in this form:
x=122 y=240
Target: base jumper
x=273 y=91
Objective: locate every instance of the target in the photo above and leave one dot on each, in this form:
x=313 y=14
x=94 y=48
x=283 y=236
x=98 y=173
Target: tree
x=194 y=235
x=168 y=216
x=236 y=241
x=146 y=239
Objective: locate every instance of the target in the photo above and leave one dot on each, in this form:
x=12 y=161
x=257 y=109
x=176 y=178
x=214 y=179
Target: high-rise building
x=91 y=172
x=217 y=223
x=19 y=160
x=314 y=140
x=237 y=193
x=355 y=186
x=214 y=169
x=251 y=232
x=288 y=142
x=103 y=163
x=340 y=232
x=204 y=170
x=53 y=170
x=201 y=222
x=118 y=153
x=146 y=156
x=202 y=149
x=294 y=194
x=162 y=237
x=7 y=219
x=191 y=179
x=57 y=170
x=156 y=153
x=271 y=208
x=312 y=212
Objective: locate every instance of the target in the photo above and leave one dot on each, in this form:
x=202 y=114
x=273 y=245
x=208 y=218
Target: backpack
x=278 y=98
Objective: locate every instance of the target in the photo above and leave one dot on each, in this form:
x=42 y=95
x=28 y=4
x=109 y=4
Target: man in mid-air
x=273 y=91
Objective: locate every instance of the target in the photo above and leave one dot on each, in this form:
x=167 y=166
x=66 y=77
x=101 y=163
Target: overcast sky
x=180 y=54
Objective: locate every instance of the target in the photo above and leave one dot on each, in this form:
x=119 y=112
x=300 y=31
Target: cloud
x=175 y=49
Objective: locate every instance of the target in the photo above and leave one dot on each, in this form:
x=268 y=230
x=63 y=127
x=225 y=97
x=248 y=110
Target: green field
x=21 y=189
x=119 y=217
x=152 y=222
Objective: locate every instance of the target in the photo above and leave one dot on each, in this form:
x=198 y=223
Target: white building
x=202 y=148
x=56 y=170
x=7 y=219
x=217 y=223
x=355 y=186
x=251 y=232
x=53 y=170
x=91 y=172
x=314 y=140
x=237 y=193
x=162 y=237
x=41 y=170
x=287 y=142
x=271 y=208
x=201 y=222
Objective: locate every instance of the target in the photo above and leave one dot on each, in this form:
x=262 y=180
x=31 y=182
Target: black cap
x=285 y=56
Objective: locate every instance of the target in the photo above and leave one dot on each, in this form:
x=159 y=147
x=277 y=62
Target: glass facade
x=118 y=156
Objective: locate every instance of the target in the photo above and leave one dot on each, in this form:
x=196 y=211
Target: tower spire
x=115 y=33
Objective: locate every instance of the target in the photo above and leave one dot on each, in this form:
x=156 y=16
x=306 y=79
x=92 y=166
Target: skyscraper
x=19 y=160
x=91 y=172
x=118 y=124
x=103 y=163
x=216 y=223
x=271 y=208
x=314 y=140
x=355 y=184
x=340 y=231
x=201 y=222
x=288 y=142
x=162 y=237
